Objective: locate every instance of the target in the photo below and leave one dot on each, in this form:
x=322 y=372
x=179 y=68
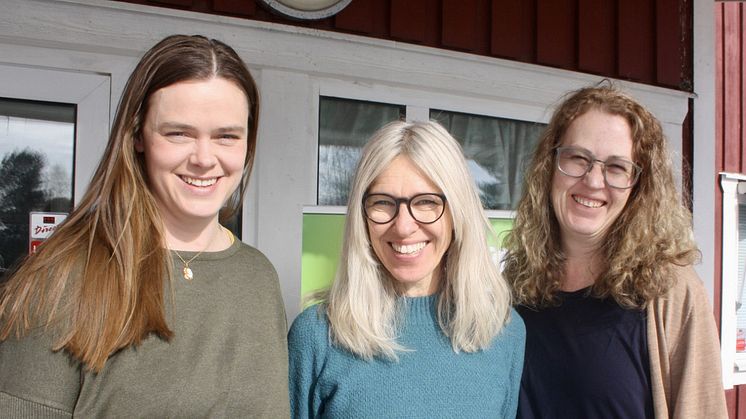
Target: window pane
x=741 y=302
x=36 y=168
x=344 y=127
x=497 y=151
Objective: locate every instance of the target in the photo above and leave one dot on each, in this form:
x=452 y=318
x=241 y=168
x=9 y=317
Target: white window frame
x=733 y=363
x=418 y=104
x=88 y=91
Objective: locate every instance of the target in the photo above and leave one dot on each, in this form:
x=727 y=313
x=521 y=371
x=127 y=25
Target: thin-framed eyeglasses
x=425 y=208
x=577 y=162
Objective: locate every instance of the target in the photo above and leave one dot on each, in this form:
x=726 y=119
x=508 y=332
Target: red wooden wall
x=647 y=41
x=730 y=129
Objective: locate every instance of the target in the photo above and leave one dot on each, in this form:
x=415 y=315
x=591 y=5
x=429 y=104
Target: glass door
x=53 y=128
x=37 y=142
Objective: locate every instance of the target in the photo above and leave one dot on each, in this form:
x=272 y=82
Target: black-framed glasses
x=577 y=162
x=425 y=208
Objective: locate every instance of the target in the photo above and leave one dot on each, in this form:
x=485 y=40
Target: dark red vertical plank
x=671 y=17
x=636 y=40
x=556 y=33
x=514 y=29
x=408 y=20
x=597 y=36
x=460 y=24
x=732 y=87
x=741 y=402
x=235 y=7
x=363 y=16
x=731 y=402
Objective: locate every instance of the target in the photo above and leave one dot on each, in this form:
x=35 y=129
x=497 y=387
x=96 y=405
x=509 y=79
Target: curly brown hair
x=652 y=233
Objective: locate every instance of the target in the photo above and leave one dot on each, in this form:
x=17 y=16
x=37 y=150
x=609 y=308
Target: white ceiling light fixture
x=306 y=9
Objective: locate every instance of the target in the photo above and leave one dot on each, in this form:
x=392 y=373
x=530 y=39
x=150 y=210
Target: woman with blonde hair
x=599 y=259
x=141 y=304
x=418 y=321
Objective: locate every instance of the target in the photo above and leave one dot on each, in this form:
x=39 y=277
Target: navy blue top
x=586 y=358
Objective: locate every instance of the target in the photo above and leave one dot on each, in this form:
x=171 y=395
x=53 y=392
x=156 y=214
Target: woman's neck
x=197 y=237
x=582 y=267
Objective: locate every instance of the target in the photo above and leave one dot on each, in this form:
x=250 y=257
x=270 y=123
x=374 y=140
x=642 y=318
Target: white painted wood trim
x=704 y=176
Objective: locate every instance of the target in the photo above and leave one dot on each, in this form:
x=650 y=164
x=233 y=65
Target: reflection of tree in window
x=344 y=127
x=21 y=191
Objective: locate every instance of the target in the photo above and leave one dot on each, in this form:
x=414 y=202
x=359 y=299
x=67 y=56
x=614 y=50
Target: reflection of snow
x=480 y=174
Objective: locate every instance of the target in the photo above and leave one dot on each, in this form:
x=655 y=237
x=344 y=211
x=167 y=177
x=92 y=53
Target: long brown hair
x=652 y=233
x=98 y=281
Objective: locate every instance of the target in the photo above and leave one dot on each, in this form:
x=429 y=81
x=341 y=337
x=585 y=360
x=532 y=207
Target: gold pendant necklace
x=187 y=271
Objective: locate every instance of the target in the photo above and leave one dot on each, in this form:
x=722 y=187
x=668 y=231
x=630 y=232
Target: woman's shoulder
x=252 y=253
x=685 y=285
x=686 y=296
x=310 y=328
x=244 y=258
x=515 y=326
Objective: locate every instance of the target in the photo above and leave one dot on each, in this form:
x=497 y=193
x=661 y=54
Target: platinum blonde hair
x=362 y=303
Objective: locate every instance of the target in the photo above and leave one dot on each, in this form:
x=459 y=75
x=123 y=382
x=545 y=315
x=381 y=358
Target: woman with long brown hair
x=600 y=261
x=141 y=303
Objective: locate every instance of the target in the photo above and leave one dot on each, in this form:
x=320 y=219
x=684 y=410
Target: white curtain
x=497 y=151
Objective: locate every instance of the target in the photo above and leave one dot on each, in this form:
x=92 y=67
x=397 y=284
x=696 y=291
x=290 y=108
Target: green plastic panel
x=322 y=243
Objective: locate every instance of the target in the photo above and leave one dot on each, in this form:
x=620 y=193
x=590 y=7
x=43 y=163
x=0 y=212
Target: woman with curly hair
x=417 y=323
x=599 y=259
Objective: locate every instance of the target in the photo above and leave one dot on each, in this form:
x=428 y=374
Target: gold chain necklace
x=187 y=271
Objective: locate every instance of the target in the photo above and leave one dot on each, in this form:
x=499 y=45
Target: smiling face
x=194 y=139
x=411 y=252
x=586 y=207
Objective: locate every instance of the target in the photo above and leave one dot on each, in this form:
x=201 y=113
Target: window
x=733 y=305
x=36 y=168
x=496 y=150
x=344 y=127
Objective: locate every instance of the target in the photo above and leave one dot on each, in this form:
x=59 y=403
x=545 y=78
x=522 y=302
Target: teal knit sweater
x=430 y=381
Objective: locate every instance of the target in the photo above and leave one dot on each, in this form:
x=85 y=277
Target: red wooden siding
x=556 y=33
x=513 y=34
x=637 y=41
x=642 y=40
x=730 y=132
x=596 y=52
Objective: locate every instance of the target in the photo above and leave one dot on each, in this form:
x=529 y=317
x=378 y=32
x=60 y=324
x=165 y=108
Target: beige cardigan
x=685 y=352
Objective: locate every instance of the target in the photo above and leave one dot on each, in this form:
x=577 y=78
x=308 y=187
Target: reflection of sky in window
x=53 y=139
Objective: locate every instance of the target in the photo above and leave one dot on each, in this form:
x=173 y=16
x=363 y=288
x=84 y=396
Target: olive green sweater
x=228 y=356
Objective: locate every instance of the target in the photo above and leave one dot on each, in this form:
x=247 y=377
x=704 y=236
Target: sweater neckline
x=220 y=254
x=419 y=308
